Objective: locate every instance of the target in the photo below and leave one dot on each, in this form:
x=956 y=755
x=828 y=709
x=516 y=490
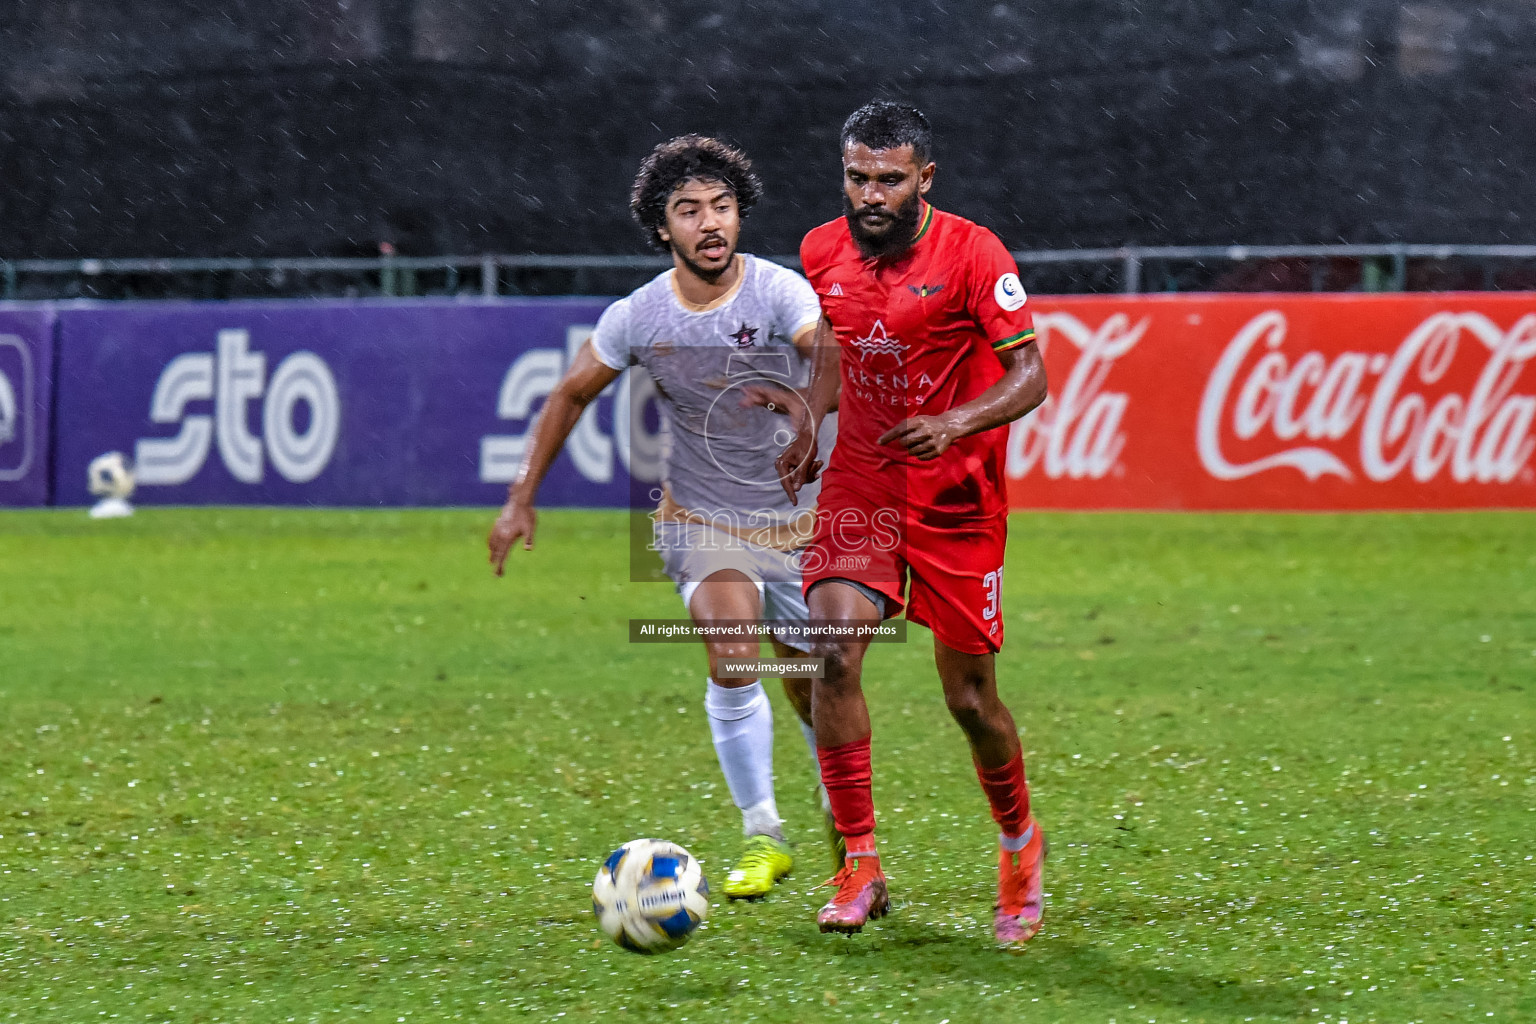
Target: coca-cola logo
x=1077 y=432
x=1392 y=411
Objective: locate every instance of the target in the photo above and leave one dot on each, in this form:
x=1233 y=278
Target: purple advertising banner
x=332 y=403
x=26 y=402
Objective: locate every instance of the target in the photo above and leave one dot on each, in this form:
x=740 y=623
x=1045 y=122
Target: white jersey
x=718 y=456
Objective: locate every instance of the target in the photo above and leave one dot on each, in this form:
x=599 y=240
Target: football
x=109 y=476
x=650 y=895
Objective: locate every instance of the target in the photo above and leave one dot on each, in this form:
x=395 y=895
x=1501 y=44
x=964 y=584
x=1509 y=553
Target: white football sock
x=762 y=819
x=741 y=724
x=810 y=741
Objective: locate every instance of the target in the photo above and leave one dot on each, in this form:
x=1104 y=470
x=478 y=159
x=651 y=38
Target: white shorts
x=692 y=552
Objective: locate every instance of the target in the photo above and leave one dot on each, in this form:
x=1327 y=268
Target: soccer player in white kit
x=727 y=338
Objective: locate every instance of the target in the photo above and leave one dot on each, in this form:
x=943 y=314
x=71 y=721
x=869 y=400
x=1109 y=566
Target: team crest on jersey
x=877 y=342
x=922 y=291
x=745 y=337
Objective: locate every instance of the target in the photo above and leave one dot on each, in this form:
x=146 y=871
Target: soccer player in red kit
x=935 y=355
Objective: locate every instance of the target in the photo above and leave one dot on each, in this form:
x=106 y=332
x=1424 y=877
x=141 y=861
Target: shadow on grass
x=1057 y=971
x=1066 y=967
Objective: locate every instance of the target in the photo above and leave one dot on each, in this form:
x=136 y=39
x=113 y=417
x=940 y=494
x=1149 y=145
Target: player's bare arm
x=797 y=464
x=1020 y=390
x=826 y=381
x=582 y=383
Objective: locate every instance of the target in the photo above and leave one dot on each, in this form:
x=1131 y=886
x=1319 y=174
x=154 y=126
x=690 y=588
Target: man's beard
x=702 y=273
x=900 y=228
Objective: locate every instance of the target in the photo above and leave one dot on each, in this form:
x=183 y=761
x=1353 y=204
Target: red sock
x=845 y=773
x=1008 y=794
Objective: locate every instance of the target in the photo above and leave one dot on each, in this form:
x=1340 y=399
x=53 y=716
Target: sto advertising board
x=26 y=399
x=409 y=403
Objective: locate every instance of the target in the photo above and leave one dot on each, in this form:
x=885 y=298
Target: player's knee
x=966 y=704
x=721 y=654
x=840 y=663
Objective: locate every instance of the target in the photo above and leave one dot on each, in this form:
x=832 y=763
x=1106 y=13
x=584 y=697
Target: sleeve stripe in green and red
x=1024 y=337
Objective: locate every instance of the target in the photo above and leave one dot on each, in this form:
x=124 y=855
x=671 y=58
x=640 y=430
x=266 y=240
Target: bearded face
x=883 y=196
x=703 y=226
x=886 y=230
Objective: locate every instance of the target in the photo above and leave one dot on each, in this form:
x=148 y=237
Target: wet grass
x=274 y=765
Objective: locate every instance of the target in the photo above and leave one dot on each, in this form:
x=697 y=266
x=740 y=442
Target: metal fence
x=1127 y=270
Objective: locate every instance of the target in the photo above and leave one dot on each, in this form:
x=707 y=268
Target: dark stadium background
x=292 y=127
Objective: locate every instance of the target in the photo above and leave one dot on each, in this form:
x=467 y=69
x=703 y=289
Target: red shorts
x=955 y=564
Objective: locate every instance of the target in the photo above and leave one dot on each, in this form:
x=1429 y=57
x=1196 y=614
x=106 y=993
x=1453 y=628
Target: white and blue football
x=110 y=476
x=650 y=895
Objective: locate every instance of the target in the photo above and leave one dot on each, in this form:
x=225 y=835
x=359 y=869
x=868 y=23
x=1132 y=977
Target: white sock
x=762 y=819
x=810 y=741
x=741 y=724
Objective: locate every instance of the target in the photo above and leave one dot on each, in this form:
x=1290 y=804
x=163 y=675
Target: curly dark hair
x=689 y=158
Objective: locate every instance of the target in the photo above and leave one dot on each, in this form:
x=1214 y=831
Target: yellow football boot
x=765 y=861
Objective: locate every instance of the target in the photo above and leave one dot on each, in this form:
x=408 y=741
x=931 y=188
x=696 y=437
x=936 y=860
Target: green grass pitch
x=262 y=765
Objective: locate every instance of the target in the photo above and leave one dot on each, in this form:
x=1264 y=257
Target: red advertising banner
x=1418 y=401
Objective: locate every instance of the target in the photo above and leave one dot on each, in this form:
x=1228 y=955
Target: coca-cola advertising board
x=1282 y=402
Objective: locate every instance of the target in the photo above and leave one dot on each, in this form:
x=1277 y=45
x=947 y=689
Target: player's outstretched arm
x=1021 y=388
x=582 y=383
x=797 y=464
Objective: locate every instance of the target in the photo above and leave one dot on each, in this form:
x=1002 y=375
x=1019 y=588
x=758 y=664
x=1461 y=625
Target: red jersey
x=919 y=335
